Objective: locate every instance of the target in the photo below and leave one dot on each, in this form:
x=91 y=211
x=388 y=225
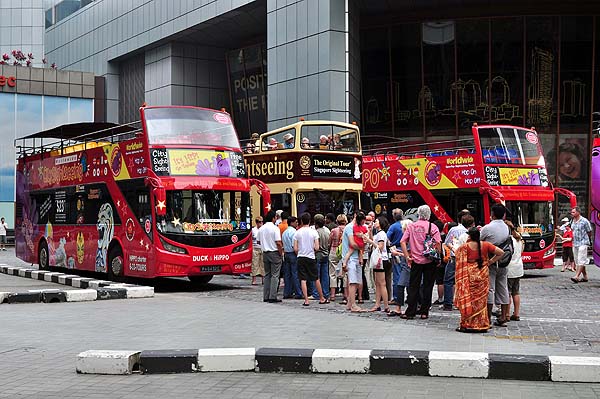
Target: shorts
x=382 y=270
x=439 y=274
x=567 y=254
x=498 y=293
x=307 y=269
x=514 y=284
x=3 y=239
x=580 y=252
x=354 y=271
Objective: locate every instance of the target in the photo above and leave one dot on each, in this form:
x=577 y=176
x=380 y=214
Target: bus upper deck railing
x=49 y=143
x=405 y=150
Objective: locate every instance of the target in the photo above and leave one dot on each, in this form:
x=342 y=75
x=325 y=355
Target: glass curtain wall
x=23 y=114
x=431 y=80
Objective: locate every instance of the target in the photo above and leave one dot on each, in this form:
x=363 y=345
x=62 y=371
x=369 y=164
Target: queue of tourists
x=331 y=258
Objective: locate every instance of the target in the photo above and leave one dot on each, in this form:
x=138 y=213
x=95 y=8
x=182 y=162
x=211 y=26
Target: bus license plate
x=210 y=268
x=529 y=265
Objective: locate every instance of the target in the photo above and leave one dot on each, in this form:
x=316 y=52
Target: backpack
x=507 y=247
x=429 y=250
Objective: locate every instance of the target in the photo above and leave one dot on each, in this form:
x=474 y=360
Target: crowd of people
x=332 y=258
x=326 y=142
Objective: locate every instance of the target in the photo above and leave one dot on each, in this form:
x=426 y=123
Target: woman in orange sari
x=472 y=282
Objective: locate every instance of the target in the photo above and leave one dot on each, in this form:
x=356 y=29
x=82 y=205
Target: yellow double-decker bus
x=309 y=166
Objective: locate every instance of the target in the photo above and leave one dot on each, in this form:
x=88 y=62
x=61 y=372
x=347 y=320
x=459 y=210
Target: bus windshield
x=507 y=145
x=194 y=126
x=206 y=212
x=531 y=218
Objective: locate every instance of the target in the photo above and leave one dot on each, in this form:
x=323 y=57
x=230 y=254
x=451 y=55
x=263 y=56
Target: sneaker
x=446 y=308
x=311 y=298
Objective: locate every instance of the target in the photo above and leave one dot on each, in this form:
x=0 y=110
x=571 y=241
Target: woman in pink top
x=421 y=267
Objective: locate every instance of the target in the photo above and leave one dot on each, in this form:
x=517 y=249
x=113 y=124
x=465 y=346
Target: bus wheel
x=115 y=263
x=200 y=280
x=43 y=256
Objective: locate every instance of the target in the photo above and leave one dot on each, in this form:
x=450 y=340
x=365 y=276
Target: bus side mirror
x=160 y=200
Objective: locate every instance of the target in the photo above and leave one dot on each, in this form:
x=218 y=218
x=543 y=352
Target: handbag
x=429 y=250
x=375 y=261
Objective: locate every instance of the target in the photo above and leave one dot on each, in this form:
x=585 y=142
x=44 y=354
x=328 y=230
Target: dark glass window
x=406 y=80
x=469 y=91
x=505 y=90
x=435 y=97
x=376 y=74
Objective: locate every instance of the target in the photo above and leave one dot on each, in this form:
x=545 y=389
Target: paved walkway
x=40 y=341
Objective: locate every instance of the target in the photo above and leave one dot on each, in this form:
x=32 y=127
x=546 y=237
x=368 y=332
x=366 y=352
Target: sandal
x=393 y=313
x=387 y=310
x=325 y=302
x=344 y=302
x=515 y=318
x=306 y=304
x=424 y=316
x=573 y=279
x=500 y=323
x=583 y=280
x=375 y=309
x=406 y=317
x=360 y=301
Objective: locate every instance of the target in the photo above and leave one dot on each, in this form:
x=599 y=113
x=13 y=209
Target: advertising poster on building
x=568 y=168
x=248 y=82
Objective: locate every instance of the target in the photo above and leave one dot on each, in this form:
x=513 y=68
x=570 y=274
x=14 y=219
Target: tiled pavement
x=40 y=342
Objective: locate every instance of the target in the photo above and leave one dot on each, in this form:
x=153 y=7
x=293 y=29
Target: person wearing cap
x=258 y=268
x=323 y=142
x=273 y=144
x=564 y=222
x=288 y=140
x=305 y=143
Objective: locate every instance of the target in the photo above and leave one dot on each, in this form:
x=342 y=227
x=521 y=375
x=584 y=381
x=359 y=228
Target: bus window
x=330 y=137
x=503 y=145
x=137 y=196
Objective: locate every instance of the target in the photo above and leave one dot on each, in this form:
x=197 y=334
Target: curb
x=91 y=289
x=343 y=361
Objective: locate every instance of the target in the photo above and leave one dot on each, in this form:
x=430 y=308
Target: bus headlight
x=242 y=247
x=549 y=251
x=173 y=248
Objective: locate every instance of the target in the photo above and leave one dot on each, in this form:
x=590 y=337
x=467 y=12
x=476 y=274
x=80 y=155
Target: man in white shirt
x=306 y=242
x=272 y=249
x=3 y=231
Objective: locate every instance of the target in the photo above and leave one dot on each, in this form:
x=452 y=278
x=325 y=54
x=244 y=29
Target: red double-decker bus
x=503 y=164
x=165 y=196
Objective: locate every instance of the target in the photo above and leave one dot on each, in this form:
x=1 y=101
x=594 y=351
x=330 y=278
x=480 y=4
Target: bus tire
x=200 y=280
x=115 y=263
x=43 y=256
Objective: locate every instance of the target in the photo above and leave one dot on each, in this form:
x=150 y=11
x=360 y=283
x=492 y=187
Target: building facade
x=22 y=28
x=412 y=70
x=36 y=99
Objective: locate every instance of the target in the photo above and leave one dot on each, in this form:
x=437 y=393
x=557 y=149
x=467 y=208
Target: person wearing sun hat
x=288 y=140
